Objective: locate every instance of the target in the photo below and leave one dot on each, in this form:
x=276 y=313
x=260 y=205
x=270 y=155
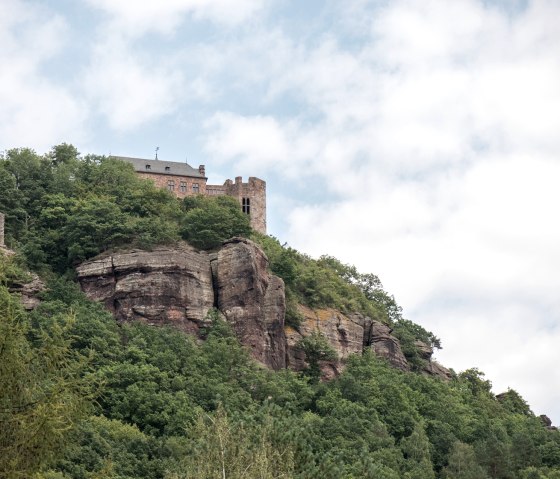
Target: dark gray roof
x=162 y=167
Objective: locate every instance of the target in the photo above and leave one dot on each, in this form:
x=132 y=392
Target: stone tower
x=252 y=198
x=183 y=180
x=1 y=230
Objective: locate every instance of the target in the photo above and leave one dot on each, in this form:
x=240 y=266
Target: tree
x=222 y=448
x=416 y=451
x=41 y=393
x=316 y=348
x=209 y=221
x=462 y=464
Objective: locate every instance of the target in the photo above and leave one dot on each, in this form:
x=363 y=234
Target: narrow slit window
x=246 y=205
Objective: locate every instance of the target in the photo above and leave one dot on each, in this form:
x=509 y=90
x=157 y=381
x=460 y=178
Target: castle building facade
x=184 y=180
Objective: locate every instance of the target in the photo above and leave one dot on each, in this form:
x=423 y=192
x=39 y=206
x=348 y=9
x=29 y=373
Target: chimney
x=1 y=230
x=202 y=170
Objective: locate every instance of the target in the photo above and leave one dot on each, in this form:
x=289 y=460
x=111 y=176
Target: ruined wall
x=162 y=181
x=255 y=191
x=1 y=229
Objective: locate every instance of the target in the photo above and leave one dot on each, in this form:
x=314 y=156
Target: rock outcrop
x=252 y=300
x=163 y=286
x=178 y=286
x=347 y=334
x=431 y=367
x=29 y=291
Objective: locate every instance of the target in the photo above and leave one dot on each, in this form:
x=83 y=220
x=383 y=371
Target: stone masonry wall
x=255 y=190
x=162 y=181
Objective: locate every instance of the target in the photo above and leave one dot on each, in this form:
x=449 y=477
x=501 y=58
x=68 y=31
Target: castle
x=184 y=180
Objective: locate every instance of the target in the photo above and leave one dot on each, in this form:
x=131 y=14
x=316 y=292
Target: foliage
x=62 y=208
x=209 y=221
x=84 y=397
x=42 y=394
x=220 y=447
x=316 y=348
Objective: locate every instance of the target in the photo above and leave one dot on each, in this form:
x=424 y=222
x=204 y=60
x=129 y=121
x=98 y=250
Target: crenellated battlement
x=184 y=180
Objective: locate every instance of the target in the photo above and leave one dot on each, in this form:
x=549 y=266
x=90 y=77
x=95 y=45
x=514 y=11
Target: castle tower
x=1 y=230
x=184 y=180
x=252 y=198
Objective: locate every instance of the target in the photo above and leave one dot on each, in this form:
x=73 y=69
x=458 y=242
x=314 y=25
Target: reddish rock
x=163 y=286
x=344 y=333
x=385 y=345
x=252 y=300
x=29 y=292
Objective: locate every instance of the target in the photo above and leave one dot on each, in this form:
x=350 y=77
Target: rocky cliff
x=178 y=286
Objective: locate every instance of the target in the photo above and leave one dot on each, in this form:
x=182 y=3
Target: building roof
x=161 y=167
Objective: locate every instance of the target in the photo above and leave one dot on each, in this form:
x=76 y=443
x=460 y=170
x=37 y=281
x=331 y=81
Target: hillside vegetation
x=84 y=397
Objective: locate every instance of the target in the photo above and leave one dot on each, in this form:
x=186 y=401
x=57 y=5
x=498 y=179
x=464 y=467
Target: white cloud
x=36 y=111
x=136 y=18
x=437 y=139
x=130 y=90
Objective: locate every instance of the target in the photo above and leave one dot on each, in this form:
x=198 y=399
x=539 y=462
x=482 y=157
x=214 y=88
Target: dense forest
x=84 y=397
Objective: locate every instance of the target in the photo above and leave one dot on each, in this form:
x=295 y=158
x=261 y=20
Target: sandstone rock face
x=425 y=350
x=385 y=345
x=252 y=300
x=347 y=334
x=178 y=285
x=344 y=333
x=29 y=292
x=163 y=286
x=431 y=368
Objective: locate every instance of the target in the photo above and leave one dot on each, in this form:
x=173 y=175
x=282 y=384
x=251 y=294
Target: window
x=148 y=167
x=167 y=168
x=183 y=187
x=171 y=185
x=195 y=188
x=246 y=205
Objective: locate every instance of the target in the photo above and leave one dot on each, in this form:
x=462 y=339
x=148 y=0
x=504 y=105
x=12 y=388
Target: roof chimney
x=202 y=170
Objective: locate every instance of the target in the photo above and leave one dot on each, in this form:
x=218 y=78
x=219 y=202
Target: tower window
x=195 y=188
x=171 y=185
x=246 y=205
x=183 y=187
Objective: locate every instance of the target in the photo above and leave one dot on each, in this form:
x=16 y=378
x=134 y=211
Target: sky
x=416 y=139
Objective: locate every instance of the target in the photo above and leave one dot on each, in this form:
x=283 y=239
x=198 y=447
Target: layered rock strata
x=163 y=286
x=178 y=286
x=252 y=300
x=347 y=334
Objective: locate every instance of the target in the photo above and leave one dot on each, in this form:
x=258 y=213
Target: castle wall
x=1 y=229
x=182 y=185
x=255 y=191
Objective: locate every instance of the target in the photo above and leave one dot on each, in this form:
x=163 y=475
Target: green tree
x=416 y=452
x=42 y=394
x=316 y=348
x=221 y=448
x=209 y=221
x=462 y=463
